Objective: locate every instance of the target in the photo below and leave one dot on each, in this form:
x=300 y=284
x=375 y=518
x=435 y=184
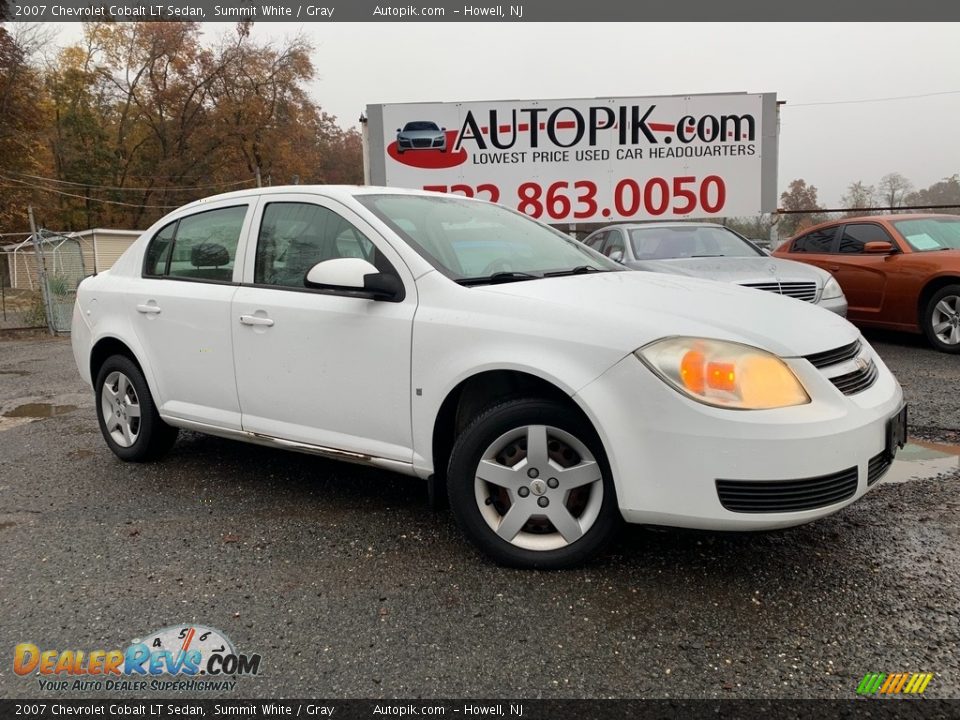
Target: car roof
x=887 y=217
x=337 y=192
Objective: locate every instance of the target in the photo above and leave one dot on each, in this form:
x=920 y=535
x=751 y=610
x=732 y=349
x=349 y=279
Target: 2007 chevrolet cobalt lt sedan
x=455 y=340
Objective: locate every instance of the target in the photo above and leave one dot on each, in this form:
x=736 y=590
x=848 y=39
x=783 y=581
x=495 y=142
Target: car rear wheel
x=127 y=415
x=941 y=319
x=530 y=486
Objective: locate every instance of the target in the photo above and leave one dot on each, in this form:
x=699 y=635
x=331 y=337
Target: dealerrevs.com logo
x=179 y=657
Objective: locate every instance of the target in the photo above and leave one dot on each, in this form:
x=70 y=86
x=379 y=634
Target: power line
x=873 y=100
x=890 y=208
x=128 y=188
x=84 y=197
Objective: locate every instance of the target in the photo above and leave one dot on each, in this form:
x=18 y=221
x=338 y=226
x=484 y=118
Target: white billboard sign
x=587 y=160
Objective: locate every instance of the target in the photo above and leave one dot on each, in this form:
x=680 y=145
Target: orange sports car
x=900 y=272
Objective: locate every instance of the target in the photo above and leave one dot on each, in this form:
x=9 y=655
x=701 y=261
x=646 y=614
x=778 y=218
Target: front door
x=315 y=366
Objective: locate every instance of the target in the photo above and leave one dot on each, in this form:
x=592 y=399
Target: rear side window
x=158 y=252
x=855 y=236
x=197 y=247
x=819 y=241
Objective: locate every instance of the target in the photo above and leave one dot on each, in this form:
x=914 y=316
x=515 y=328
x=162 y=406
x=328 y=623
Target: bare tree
x=858 y=197
x=893 y=189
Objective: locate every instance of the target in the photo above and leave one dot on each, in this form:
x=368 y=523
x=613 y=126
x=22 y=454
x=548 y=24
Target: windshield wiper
x=499 y=277
x=578 y=270
x=693 y=256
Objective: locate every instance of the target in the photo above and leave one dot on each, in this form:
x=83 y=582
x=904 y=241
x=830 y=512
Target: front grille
x=857 y=381
x=778 y=496
x=806 y=291
x=422 y=143
x=832 y=357
x=877 y=467
x=849 y=383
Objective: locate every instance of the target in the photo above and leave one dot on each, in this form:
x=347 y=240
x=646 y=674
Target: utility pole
x=41 y=271
x=259 y=184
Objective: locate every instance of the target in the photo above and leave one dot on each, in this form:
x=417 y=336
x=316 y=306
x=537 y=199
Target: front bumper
x=667 y=451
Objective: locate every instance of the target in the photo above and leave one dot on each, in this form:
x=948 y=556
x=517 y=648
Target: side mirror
x=399 y=130
x=443 y=129
x=354 y=275
x=617 y=256
x=878 y=247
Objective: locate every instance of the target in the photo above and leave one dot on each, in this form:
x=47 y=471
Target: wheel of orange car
x=941 y=319
x=530 y=486
x=127 y=415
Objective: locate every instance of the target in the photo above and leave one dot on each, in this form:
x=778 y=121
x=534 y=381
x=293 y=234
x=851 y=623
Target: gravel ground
x=350 y=586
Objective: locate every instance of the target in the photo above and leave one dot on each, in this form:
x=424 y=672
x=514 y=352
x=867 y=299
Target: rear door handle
x=147 y=309
x=255 y=320
x=834 y=268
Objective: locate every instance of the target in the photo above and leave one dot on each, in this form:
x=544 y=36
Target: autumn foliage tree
x=800 y=200
x=142 y=117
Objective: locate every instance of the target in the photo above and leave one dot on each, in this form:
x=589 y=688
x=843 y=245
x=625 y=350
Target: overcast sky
x=828 y=145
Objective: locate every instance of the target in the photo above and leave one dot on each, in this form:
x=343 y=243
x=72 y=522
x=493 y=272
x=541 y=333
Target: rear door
x=318 y=366
x=181 y=312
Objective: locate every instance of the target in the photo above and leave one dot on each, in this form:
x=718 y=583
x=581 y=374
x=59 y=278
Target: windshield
x=420 y=126
x=667 y=243
x=466 y=239
x=941 y=233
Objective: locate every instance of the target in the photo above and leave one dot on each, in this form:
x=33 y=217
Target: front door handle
x=834 y=268
x=255 y=320
x=148 y=309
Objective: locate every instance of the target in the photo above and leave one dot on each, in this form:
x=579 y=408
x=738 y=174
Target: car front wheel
x=529 y=485
x=127 y=415
x=941 y=319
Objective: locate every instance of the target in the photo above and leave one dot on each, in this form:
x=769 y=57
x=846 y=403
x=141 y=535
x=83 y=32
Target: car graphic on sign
x=421 y=135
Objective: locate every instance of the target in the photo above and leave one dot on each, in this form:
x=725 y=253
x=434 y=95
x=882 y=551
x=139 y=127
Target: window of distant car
x=818 y=241
x=663 y=243
x=614 y=244
x=931 y=233
x=420 y=125
x=856 y=235
x=596 y=241
x=467 y=239
x=197 y=247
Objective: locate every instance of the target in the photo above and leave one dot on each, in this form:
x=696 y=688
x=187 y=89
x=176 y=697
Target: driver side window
x=296 y=236
x=614 y=244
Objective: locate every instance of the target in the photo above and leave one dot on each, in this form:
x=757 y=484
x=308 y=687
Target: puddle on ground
x=921 y=460
x=39 y=410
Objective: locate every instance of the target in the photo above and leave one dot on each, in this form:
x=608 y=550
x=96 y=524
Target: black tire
x=950 y=293
x=154 y=437
x=482 y=432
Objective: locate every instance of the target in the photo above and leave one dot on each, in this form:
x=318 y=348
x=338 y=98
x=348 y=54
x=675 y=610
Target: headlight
x=724 y=374
x=831 y=289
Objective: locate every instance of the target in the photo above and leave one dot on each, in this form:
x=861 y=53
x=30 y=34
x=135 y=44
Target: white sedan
x=549 y=391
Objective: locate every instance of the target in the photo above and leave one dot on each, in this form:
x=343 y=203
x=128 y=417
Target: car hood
x=735 y=269
x=626 y=310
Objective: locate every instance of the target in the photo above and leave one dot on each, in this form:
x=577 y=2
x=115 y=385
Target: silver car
x=714 y=252
x=421 y=135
